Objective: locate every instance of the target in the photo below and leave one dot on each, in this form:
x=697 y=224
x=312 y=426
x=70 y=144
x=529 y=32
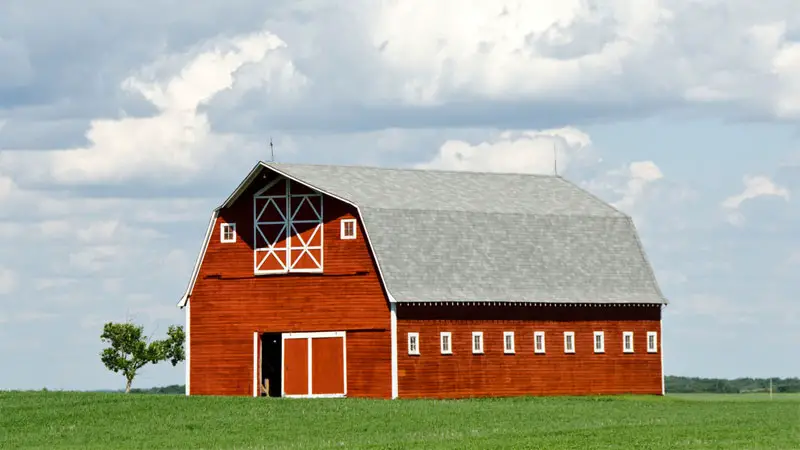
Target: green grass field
x=118 y=421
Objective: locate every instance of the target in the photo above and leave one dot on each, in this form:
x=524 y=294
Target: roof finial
x=271 y=151
x=555 y=159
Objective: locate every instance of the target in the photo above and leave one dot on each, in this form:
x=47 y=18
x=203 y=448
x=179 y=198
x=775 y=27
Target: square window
x=413 y=343
x=538 y=342
x=627 y=342
x=599 y=342
x=348 y=229
x=446 y=342
x=652 y=342
x=569 y=342
x=477 y=342
x=508 y=342
x=227 y=233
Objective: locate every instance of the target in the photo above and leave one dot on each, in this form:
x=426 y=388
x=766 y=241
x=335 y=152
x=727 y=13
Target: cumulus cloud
x=568 y=61
x=526 y=152
x=176 y=142
x=755 y=186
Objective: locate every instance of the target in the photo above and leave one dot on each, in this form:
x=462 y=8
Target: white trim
x=535 y=335
x=506 y=350
x=415 y=336
x=342 y=224
x=652 y=349
x=449 y=349
x=344 y=361
x=661 y=353
x=571 y=335
x=188 y=345
x=314 y=334
x=222 y=228
x=199 y=260
x=317 y=396
x=393 y=325
x=479 y=334
x=310 y=336
x=255 y=364
x=625 y=348
x=602 y=347
x=283 y=365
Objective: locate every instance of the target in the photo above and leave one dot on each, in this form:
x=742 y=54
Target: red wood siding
x=494 y=373
x=229 y=303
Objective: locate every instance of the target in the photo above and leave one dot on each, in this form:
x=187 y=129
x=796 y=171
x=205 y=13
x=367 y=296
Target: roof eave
x=196 y=271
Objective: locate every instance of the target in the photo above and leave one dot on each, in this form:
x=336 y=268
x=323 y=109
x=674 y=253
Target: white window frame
x=602 y=347
x=449 y=336
x=654 y=349
x=506 y=350
x=535 y=335
x=222 y=228
x=571 y=336
x=479 y=335
x=413 y=337
x=342 y=227
x=627 y=334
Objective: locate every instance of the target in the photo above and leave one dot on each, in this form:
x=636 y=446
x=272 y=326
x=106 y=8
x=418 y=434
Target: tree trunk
x=128 y=386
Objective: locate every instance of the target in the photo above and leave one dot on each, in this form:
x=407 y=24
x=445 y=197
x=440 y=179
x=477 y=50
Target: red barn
x=333 y=281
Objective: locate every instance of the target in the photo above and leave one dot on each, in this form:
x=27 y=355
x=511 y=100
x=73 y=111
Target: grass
x=117 y=421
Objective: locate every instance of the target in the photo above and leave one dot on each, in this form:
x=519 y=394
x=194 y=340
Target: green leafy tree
x=130 y=349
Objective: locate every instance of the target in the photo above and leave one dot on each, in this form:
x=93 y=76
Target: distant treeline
x=691 y=385
x=673 y=385
x=171 y=389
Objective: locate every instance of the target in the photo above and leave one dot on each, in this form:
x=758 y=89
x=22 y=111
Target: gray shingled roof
x=444 y=236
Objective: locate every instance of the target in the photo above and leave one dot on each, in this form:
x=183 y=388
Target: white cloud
x=172 y=145
x=754 y=187
x=504 y=50
x=8 y=281
x=630 y=187
x=640 y=174
x=525 y=152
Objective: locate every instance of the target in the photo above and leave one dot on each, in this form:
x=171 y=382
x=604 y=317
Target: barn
x=349 y=281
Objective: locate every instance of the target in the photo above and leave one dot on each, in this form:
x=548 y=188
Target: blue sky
x=122 y=124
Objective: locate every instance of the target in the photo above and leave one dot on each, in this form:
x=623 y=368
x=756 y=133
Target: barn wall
x=494 y=373
x=229 y=303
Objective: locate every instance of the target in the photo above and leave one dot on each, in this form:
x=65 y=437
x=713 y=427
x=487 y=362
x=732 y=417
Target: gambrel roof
x=445 y=236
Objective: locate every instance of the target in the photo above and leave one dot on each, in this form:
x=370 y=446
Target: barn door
x=314 y=364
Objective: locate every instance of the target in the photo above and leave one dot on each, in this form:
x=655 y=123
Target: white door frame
x=256 y=381
x=310 y=336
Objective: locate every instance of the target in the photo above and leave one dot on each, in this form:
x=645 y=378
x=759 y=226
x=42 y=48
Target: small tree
x=131 y=350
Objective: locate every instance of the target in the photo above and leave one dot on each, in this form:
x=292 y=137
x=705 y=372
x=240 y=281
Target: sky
x=123 y=124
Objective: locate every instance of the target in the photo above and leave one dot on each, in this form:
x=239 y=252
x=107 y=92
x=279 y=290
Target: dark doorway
x=271 y=362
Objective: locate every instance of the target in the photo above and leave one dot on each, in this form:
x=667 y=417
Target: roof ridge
x=413 y=169
x=569 y=214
